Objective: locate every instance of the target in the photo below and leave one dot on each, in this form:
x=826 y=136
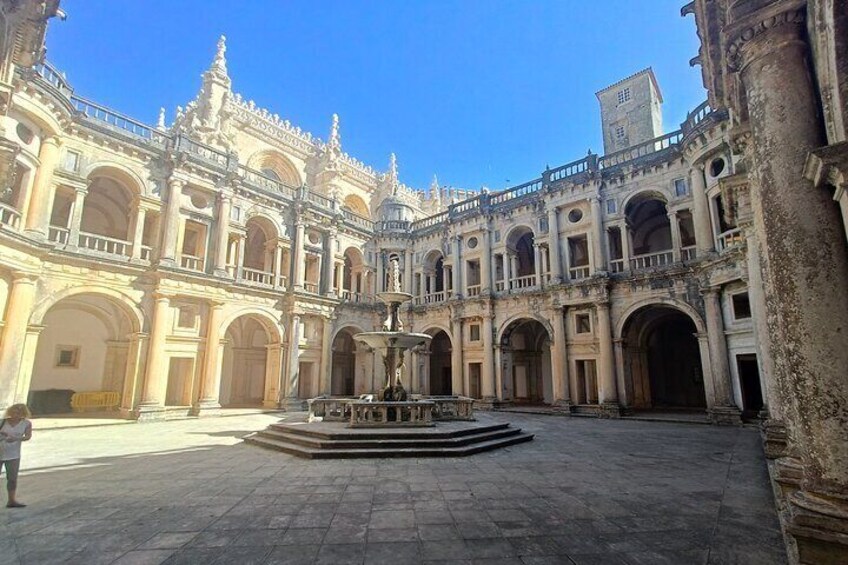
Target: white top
x=12 y=449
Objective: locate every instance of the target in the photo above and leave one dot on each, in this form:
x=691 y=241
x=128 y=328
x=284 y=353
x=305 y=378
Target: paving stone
x=341 y=554
x=392 y=552
x=293 y=555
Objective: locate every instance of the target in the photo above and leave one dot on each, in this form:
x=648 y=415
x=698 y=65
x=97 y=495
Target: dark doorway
x=344 y=363
x=440 y=364
x=749 y=382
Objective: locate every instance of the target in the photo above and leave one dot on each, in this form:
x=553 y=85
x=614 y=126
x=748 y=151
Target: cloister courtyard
x=585 y=491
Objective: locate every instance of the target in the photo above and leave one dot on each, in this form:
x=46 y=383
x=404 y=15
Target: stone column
x=299 y=256
x=597 y=235
x=328 y=264
x=675 y=235
x=212 y=361
x=407 y=271
x=456 y=356
x=723 y=410
x=18 y=311
x=486 y=284
x=222 y=234
x=456 y=268
x=625 y=244
x=278 y=265
x=138 y=231
x=559 y=362
x=487 y=374
x=537 y=263
x=36 y=210
x=156 y=377
x=608 y=394
x=553 y=245
x=446 y=277
x=291 y=401
x=273 y=375
x=513 y=269
x=804 y=251
x=701 y=211
x=168 y=249
x=75 y=220
x=133 y=373
x=325 y=383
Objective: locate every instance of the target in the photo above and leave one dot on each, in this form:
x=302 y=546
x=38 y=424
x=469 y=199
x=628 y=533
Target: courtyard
x=585 y=491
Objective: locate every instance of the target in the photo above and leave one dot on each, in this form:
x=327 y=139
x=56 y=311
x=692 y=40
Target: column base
x=271 y=404
x=486 y=403
x=206 y=409
x=725 y=415
x=609 y=410
x=562 y=407
x=293 y=405
x=775 y=439
x=819 y=525
x=37 y=235
x=166 y=262
x=150 y=413
x=788 y=475
x=222 y=273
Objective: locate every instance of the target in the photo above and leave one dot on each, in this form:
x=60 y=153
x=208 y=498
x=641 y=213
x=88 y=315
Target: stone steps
x=343 y=443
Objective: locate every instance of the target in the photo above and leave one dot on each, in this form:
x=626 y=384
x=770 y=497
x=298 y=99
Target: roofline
x=648 y=70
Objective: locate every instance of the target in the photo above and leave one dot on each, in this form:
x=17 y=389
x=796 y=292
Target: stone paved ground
x=585 y=491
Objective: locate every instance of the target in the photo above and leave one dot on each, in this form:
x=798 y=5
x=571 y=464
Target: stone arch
x=513 y=321
x=357 y=205
x=660 y=301
x=438 y=370
x=661 y=356
x=130 y=307
x=516 y=232
x=268 y=318
x=344 y=354
x=271 y=161
x=526 y=359
x=652 y=193
x=122 y=174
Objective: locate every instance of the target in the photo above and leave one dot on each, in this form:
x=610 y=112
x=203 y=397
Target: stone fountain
x=392 y=341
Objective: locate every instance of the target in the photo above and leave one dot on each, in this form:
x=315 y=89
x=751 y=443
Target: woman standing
x=14 y=429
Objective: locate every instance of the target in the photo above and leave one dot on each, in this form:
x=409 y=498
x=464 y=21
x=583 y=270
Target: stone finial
x=392 y=174
x=434 y=187
x=335 y=139
x=218 y=69
x=160 y=123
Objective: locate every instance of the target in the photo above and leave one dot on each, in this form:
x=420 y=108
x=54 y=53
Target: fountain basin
x=392 y=340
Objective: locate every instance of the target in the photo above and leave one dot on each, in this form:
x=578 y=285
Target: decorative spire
x=434 y=187
x=160 y=123
x=219 y=65
x=335 y=140
x=392 y=175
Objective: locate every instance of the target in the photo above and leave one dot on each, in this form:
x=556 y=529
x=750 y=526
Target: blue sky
x=479 y=92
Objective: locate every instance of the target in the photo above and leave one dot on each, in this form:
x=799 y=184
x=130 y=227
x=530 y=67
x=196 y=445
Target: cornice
x=753 y=35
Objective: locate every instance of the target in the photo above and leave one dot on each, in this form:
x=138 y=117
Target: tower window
x=619 y=133
x=680 y=187
x=610 y=206
x=623 y=95
x=741 y=306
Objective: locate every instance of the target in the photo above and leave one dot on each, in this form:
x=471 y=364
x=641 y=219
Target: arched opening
x=440 y=364
x=275 y=166
x=353 y=275
x=264 y=259
x=84 y=347
x=11 y=196
x=245 y=362
x=356 y=205
x=526 y=353
x=343 y=380
x=520 y=259
x=431 y=283
x=649 y=230
x=662 y=359
x=107 y=215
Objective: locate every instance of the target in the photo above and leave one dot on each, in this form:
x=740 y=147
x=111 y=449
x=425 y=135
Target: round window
x=199 y=201
x=472 y=242
x=575 y=216
x=24 y=133
x=716 y=167
x=313 y=238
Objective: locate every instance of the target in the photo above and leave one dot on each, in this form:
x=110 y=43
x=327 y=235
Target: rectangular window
x=680 y=188
x=186 y=318
x=474 y=332
x=72 y=160
x=611 y=207
x=235 y=213
x=67 y=356
x=741 y=306
x=619 y=133
x=624 y=95
x=583 y=324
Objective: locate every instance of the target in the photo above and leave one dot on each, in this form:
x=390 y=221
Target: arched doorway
x=354 y=275
x=245 y=362
x=84 y=347
x=432 y=282
x=343 y=379
x=649 y=230
x=440 y=364
x=520 y=260
x=526 y=352
x=662 y=359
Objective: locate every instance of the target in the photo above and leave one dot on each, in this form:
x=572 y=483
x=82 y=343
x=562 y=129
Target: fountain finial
x=395 y=274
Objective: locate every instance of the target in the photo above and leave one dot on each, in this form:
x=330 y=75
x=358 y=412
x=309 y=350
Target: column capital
x=215 y=304
x=177 y=182
x=159 y=296
x=711 y=290
x=54 y=140
x=764 y=31
x=602 y=305
x=24 y=277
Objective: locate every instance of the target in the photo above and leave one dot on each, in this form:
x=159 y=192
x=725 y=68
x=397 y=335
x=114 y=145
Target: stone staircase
x=336 y=441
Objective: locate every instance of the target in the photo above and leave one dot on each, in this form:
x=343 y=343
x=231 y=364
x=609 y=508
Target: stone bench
x=91 y=401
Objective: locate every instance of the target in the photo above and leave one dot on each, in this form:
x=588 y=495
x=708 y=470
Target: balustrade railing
x=527 y=281
x=103 y=244
x=472 y=290
x=500 y=286
x=647 y=148
x=146 y=252
x=394 y=225
x=58 y=234
x=310 y=287
x=319 y=200
x=119 y=121
x=688 y=253
x=257 y=277
x=730 y=238
x=697 y=115
x=9 y=216
x=357 y=220
x=184 y=143
x=404 y=414
x=516 y=192
x=282 y=281
x=49 y=73
x=651 y=260
x=616 y=265
x=259 y=180
x=464 y=206
x=191 y=262
x=569 y=169
x=576 y=273
x=430 y=221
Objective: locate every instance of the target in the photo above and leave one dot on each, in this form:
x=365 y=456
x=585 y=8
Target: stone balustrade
x=415 y=413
